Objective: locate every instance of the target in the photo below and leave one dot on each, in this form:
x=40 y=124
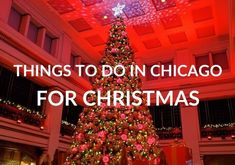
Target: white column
x=53 y=123
x=5 y=8
x=191 y=132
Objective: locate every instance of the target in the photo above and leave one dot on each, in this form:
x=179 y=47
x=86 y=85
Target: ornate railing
x=67 y=128
x=19 y=113
x=218 y=130
x=169 y=133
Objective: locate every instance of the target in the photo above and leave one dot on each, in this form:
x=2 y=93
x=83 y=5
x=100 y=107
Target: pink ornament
x=100 y=89
x=118 y=105
x=83 y=147
x=118 y=24
x=101 y=134
x=140 y=116
x=79 y=136
x=89 y=99
x=138 y=147
x=151 y=140
x=140 y=126
x=124 y=137
x=90 y=125
x=119 y=81
x=124 y=34
x=92 y=115
x=105 y=159
x=123 y=116
x=81 y=116
x=130 y=107
x=114 y=50
x=103 y=105
x=74 y=150
x=107 y=72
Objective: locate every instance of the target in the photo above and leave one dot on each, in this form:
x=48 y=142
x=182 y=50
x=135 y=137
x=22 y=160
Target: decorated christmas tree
x=115 y=134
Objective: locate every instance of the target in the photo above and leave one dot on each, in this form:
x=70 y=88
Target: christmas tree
x=115 y=134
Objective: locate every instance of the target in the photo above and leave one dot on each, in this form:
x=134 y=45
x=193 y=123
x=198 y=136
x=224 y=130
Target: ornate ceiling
x=152 y=25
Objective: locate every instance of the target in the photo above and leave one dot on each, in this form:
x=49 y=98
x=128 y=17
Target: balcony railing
x=218 y=130
x=169 y=133
x=19 y=113
x=67 y=128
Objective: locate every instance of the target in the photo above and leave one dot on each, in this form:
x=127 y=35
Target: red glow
x=151 y=20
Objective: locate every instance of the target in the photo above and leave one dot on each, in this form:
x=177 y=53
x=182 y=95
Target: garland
x=65 y=123
x=20 y=113
x=67 y=128
x=164 y=132
x=218 y=130
x=219 y=125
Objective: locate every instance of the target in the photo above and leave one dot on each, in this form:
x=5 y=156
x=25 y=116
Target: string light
x=21 y=112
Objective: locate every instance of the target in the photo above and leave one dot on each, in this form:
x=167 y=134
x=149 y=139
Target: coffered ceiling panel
x=152 y=25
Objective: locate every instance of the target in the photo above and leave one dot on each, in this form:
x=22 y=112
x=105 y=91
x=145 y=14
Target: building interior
x=166 y=32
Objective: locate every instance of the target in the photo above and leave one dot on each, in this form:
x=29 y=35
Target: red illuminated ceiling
x=153 y=25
